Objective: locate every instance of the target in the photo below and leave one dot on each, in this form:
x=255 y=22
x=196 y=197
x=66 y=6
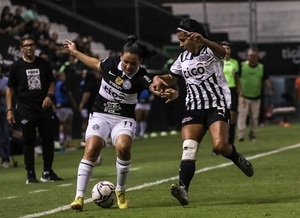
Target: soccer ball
x=103 y=194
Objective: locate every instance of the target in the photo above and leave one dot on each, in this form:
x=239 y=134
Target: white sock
x=85 y=170
x=138 y=128
x=143 y=128
x=61 y=137
x=122 y=173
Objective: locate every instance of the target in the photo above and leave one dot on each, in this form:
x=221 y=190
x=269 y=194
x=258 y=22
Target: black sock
x=186 y=173
x=234 y=156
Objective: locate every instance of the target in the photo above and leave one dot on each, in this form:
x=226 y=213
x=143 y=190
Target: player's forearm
x=91 y=62
x=216 y=48
x=9 y=94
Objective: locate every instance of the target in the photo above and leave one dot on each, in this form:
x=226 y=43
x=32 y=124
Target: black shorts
x=206 y=117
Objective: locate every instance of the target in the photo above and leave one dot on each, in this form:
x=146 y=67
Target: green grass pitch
x=219 y=189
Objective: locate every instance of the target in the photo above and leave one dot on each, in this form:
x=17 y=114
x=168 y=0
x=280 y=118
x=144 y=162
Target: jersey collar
x=124 y=74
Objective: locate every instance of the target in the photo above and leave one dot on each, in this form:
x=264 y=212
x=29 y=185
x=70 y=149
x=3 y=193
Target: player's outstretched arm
x=91 y=62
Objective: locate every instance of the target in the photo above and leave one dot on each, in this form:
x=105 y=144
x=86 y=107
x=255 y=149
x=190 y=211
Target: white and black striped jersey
x=118 y=93
x=205 y=81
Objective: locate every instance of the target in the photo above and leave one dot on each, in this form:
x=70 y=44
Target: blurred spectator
x=65 y=104
x=57 y=54
x=18 y=23
x=6 y=23
x=142 y=110
x=4 y=127
x=5 y=10
x=17 y=17
x=42 y=36
x=90 y=86
x=30 y=14
x=253 y=78
x=231 y=69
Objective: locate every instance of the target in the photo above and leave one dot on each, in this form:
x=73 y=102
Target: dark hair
x=191 y=25
x=134 y=47
x=230 y=44
x=26 y=37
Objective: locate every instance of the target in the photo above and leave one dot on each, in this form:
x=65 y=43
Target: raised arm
x=217 y=49
x=91 y=62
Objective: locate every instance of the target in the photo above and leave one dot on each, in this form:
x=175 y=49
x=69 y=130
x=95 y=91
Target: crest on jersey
x=95 y=127
x=127 y=84
x=119 y=81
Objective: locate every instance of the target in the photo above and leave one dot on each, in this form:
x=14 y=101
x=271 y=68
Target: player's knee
x=221 y=147
x=189 y=150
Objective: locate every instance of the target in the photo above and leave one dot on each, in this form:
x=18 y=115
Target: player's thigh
x=193 y=131
x=125 y=126
x=98 y=125
x=219 y=131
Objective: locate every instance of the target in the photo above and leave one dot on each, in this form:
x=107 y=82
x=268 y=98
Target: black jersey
x=30 y=80
x=118 y=93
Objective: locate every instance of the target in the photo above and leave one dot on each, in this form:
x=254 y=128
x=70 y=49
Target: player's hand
x=10 y=118
x=197 y=37
x=71 y=46
x=170 y=94
x=47 y=103
x=158 y=84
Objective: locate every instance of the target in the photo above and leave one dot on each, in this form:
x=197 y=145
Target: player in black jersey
x=113 y=112
x=207 y=102
x=31 y=81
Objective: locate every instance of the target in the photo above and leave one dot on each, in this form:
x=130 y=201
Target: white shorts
x=64 y=113
x=143 y=106
x=105 y=125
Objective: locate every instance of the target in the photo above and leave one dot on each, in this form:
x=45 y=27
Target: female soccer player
x=113 y=112
x=207 y=102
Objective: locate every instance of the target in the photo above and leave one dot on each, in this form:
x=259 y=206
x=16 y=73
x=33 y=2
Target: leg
x=191 y=134
x=243 y=109
x=4 y=140
x=233 y=119
x=92 y=150
x=138 y=116
x=46 y=122
x=219 y=133
x=29 y=135
x=143 y=129
x=123 y=150
x=122 y=136
x=69 y=130
x=255 y=109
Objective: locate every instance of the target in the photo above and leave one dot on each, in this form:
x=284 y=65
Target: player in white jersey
x=207 y=102
x=113 y=112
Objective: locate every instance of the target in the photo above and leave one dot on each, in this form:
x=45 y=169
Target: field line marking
x=145 y=185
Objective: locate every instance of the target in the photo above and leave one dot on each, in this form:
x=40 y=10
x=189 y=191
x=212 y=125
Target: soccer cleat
x=31 y=178
x=245 y=166
x=77 y=204
x=180 y=194
x=122 y=202
x=50 y=176
x=252 y=137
